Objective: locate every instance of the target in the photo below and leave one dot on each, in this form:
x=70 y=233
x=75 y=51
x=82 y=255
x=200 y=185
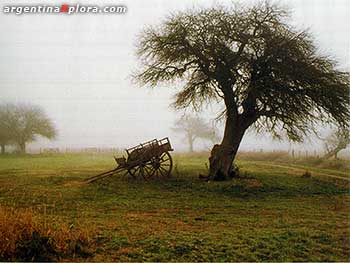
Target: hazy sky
x=79 y=68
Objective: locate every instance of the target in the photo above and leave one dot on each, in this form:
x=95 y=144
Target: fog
x=79 y=67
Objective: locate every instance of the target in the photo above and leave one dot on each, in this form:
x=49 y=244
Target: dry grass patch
x=26 y=236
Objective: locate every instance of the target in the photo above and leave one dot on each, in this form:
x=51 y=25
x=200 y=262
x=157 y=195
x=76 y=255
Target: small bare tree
x=195 y=128
x=338 y=140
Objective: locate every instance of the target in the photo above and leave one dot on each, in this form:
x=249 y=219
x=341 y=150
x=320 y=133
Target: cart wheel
x=159 y=166
x=137 y=171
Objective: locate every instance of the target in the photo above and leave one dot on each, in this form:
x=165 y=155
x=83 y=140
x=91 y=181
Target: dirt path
x=303 y=170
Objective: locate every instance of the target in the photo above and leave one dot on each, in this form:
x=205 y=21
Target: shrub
x=307 y=174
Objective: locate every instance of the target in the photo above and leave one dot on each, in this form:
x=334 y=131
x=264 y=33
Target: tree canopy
x=268 y=74
x=22 y=123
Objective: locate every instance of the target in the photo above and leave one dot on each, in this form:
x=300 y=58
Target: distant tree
x=195 y=128
x=6 y=134
x=22 y=123
x=338 y=140
x=267 y=74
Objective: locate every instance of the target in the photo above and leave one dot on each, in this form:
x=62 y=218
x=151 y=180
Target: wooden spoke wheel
x=137 y=171
x=159 y=166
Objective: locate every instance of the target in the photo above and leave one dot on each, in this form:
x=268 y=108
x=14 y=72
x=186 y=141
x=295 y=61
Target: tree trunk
x=22 y=147
x=3 y=150
x=222 y=156
x=190 y=143
x=334 y=152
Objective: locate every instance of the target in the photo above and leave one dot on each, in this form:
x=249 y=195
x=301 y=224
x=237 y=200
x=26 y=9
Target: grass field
x=272 y=213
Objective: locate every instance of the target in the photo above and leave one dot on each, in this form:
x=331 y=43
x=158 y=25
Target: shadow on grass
x=187 y=186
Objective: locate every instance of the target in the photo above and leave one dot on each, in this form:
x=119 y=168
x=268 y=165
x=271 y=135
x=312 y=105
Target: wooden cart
x=146 y=160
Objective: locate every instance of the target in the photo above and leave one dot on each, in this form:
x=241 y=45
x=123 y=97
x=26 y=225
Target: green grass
x=270 y=214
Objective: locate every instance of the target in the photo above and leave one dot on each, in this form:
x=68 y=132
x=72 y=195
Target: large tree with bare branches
x=269 y=75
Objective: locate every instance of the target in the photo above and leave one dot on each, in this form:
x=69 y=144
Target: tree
x=338 y=140
x=23 y=123
x=195 y=128
x=5 y=129
x=268 y=75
